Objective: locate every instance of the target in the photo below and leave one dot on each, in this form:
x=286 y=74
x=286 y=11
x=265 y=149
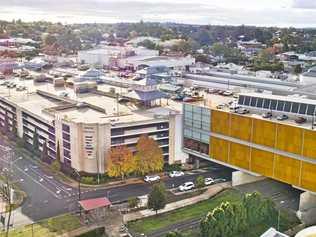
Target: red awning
x=91 y=204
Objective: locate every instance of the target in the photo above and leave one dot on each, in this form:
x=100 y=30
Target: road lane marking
x=34 y=180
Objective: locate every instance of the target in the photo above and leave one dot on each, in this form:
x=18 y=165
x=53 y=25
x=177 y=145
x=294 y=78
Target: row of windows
x=196 y=109
x=25 y=116
x=188 y=133
x=120 y=131
x=278 y=105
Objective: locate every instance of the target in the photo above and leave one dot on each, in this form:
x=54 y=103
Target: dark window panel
x=287 y=107
x=266 y=103
x=260 y=103
x=295 y=107
x=253 y=101
x=311 y=110
x=303 y=108
x=280 y=106
x=273 y=104
x=247 y=101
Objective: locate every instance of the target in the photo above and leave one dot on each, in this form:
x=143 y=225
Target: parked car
x=220 y=106
x=282 y=117
x=208 y=181
x=267 y=115
x=242 y=111
x=175 y=173
x=186 y=186
x=300 y=120
x=151 y=178
x=212 y=91
x=227 y=93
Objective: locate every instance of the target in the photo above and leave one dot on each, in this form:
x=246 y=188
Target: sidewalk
x=210 y=192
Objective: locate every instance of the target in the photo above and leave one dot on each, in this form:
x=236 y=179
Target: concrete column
x=307 y=208
x=240 y=177
x=307 y=201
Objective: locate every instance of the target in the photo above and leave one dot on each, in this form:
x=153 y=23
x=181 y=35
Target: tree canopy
x=157 y=198
x=149 y=156
x=120 y=162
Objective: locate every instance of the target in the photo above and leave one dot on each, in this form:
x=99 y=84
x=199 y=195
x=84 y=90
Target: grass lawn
x=49 y=228
x=151 y=224
x=154 y=223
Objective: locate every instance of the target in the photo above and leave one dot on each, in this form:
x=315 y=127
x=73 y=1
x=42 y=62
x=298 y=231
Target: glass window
x=206 y=112
x=188 y=107
x=295 y=107
x=311 y=109
x=206 y=127
x=266 y=103
x=205 y=138
x=188 y=115
x=206 y=119
x=303 y=108
x=259 y=102
x=287 y=107
x=253 y=101
x=196 y=135
x=280 y=105
x=241 y=99
x=197 y=116
x=247 y=101
x=188 y=122
x=197 y=109
x=187 y=133
x=273 y=104
x=197 y=124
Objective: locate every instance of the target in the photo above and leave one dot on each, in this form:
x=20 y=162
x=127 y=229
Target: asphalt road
x=48 y=197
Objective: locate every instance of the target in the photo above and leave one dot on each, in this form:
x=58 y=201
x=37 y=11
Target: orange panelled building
x=282 y=151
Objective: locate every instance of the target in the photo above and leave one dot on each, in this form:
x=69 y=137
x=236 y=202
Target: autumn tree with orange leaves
x=120 y=162
x=149 y=156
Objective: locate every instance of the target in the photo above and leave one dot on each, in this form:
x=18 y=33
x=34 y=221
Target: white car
x=152 y=178
x=186 y=186
x=208 y=181
x=173 y=174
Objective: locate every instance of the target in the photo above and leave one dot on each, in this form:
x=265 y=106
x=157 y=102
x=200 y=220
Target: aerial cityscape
x=158 y=118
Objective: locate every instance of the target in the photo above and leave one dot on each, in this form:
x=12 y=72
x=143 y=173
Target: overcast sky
x=297 y=13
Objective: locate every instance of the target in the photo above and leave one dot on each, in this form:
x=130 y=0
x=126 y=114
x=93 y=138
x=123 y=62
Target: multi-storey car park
x=86 y=125
x=256 y=146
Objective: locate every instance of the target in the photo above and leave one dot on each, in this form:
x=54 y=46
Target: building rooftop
x=44 y=100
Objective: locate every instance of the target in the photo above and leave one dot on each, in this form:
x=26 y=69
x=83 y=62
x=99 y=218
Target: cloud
x=224 y=12
x=305 y=4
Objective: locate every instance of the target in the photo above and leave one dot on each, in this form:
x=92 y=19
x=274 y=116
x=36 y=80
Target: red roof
x=91 y=204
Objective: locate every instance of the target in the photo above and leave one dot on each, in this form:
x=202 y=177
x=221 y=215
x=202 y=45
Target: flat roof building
x=85 y=125
x=269 y=135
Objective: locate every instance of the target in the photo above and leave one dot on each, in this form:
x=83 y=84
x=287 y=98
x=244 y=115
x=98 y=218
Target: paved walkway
x=211 y=191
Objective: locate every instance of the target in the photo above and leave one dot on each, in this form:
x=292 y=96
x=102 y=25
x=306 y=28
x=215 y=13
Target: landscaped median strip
x=213 y=190
x=191 y=211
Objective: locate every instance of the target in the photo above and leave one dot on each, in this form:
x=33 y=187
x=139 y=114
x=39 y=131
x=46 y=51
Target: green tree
x=147 y=44
x=157 y=198
x=133 y=202
x=56 y=166
x=200 y=181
